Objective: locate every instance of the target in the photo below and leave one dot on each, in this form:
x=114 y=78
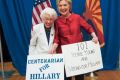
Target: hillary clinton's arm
x=89 y=29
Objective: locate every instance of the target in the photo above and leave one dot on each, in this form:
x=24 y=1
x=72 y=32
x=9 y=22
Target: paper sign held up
x=45 y=67
x=82 y=57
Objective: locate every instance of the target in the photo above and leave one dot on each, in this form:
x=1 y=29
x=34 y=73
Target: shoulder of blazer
x=38 y=27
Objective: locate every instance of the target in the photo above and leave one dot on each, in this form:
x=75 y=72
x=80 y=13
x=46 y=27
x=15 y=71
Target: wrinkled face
x=64 y=8
x=48 y=20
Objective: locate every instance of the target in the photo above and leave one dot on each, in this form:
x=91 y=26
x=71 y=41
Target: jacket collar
x=65 y=20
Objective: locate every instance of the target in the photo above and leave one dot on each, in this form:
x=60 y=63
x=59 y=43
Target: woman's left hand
x=95 y=39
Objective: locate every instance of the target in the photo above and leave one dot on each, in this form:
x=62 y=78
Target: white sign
x=82 y=58
x=45 y=67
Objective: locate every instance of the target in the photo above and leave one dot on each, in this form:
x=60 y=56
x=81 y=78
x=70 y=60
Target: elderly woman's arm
x=53 y=49
x=33 y=42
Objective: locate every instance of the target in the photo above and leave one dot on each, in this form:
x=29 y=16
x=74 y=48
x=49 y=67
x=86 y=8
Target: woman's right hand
x=53 y=49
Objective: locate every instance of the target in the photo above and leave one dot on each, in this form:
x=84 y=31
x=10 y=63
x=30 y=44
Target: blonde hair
x=49 y=11
x=58 y=1
x=69 y=2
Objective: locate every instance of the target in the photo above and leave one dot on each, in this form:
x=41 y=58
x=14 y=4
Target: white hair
x=49 y=11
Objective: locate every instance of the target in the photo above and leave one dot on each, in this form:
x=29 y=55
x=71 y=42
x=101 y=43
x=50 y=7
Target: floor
x=12 y=74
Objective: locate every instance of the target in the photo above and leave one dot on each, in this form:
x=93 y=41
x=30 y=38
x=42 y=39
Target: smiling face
x=48 y=20
x=64 y=8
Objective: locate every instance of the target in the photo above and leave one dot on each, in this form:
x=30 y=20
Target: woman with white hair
x=43 y=34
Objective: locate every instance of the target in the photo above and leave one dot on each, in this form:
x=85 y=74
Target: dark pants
x=78 y=77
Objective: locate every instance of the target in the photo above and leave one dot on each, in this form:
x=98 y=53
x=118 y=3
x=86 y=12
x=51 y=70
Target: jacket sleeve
x=56 y=39
x=33 y=43
x=85 y=25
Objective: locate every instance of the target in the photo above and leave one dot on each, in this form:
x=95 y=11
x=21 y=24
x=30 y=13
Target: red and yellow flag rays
x=93 y=13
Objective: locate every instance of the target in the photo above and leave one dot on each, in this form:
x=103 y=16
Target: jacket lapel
x=51 y=35
x=44 y=35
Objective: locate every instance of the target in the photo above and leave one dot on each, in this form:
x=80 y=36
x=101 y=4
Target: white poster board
x=45 y=67
x=83 y=57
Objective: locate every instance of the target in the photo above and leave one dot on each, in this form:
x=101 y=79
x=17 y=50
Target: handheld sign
x=82 y=58
x=45 y=67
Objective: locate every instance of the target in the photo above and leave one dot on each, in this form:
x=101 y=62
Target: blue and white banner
x=45 y=67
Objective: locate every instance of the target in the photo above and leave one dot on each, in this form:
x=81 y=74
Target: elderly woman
x=43 y=34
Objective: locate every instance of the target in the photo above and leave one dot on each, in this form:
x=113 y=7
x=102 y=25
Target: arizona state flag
x=93 y=13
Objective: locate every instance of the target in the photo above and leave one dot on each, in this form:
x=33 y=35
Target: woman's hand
x=95 y=38
x=53 y=49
